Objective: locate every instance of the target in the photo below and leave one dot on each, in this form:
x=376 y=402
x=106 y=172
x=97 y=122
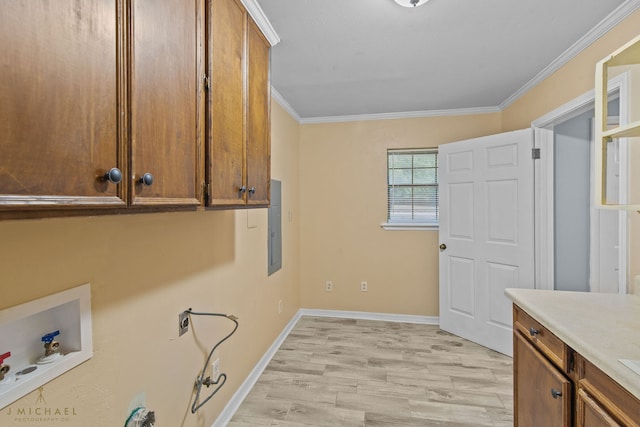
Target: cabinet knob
x=114 y=176
x=533 y=331
x=252 y=190
x=242 y=189
x=146 y=179
x=443 y=246
x=556 y=393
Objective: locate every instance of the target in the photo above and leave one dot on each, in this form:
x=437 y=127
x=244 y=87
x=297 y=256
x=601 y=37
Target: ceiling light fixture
x=411 y=3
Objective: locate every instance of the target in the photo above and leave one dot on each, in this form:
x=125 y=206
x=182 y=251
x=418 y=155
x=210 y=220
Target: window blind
x=412 y=186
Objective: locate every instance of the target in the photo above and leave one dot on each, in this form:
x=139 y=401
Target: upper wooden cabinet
x=59 y=104
x=106 y=105
x=91 y=85
x=226 y=25
x=258 y=138
x=238 y=123
x=165 y=75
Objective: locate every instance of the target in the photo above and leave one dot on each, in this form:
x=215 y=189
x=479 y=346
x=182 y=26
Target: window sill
x=414 y=226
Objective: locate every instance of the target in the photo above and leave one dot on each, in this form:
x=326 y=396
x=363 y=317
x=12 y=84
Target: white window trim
x=408 y=226
x=412 y=226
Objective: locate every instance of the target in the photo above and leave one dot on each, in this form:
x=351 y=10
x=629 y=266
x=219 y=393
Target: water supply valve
x=51 y=348
x=4 y=369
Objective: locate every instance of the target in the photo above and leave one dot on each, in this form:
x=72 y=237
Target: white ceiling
x=358 y=57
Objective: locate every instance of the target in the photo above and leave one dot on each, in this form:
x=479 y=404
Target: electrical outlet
x=215 y=370
x=183 y=323
x=328 y=286
x=364 y=287
x=280 y=307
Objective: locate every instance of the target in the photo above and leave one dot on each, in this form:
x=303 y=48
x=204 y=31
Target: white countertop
x=603 y=328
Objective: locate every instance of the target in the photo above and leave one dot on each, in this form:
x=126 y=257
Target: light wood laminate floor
x=344 y=372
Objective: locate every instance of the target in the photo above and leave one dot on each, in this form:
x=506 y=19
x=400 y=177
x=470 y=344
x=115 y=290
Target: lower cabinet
x=542 y=391
x=556 y=386
x=602 y=401
x=590 y=413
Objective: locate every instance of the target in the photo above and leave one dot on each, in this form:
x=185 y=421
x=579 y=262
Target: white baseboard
x=242 y=392
x=363 y=315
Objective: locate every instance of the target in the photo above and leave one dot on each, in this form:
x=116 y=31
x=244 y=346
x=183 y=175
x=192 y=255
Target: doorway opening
x=578 y=247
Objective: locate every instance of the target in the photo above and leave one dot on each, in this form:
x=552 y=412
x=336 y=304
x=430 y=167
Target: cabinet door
x=590 y=414
x=258 y=120
x=165 y=81
x=602 y=398
x=542 y=393
x=59 y=104
x=226 y=106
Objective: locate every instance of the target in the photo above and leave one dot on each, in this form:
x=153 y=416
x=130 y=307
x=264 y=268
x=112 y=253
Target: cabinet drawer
x=550 y=345
x=590 y=413
x=614 y=401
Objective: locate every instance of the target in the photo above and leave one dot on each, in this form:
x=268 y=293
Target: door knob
x=242 y=189
x=252 y=190
x=443 y=246
x=555 y=393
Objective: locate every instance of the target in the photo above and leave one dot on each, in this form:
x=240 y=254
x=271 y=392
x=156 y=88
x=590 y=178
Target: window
x=412 y=189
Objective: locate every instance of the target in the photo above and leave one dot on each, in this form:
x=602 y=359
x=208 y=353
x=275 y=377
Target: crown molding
x=262 y=21
x=284 y=104
x=380 y=116
x=401 y=115
x=613 y=19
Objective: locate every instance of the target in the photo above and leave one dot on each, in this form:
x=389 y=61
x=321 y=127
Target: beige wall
x=344 y=201
x=144 y=270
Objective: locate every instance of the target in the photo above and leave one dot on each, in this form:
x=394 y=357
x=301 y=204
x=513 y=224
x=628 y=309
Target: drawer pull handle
x=146 y=179
x=114 y=176
x=555 y=393
x=533 y=331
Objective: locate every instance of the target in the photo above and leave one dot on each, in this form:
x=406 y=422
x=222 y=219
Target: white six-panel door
x=486 y=234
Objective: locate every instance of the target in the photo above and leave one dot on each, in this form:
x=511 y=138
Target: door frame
x=543 y=183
